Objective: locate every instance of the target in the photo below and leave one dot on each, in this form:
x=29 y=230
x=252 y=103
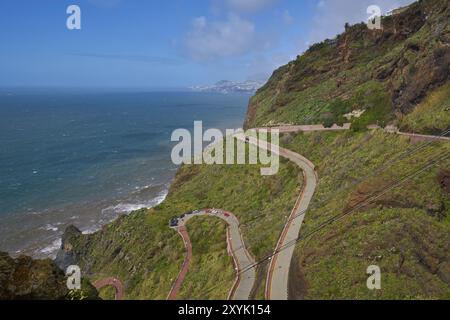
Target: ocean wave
x=51 y=227
x=51 y=250
x=51 y=237
x=112 y=212
x=127 y=208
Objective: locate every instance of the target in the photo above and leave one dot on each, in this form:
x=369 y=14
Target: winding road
x=236 y=248
x=278 y=273
x=114 y=282
x=185 y=268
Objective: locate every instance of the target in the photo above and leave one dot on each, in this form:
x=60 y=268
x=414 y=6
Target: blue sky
x=156 y=43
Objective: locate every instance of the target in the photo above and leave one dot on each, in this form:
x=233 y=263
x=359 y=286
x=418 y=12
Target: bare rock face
x=423 y=63
x=444 y=181
x=25 y=278
x=408 y=58
x=66 y=255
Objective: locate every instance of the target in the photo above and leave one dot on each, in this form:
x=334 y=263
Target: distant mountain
x=377 y=208
x=227 y=87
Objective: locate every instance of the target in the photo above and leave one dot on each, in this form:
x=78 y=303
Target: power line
x=385 y=166
x=393 y=185
x=353 y=209
x=431 y=162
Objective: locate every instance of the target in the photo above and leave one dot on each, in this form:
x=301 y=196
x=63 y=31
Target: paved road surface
x=308 y=128
x=116 y=283
x=185 y=268
x=242 y=259
x=278 y=273
x=347 y=126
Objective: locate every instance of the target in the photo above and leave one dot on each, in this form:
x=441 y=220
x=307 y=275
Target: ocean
x=83 y=157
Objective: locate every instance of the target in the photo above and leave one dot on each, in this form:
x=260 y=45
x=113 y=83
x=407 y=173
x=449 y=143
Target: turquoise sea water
x=83 y=157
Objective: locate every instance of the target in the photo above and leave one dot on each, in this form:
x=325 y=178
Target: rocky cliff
x=27 y=279
x=399 y=74
x=384 y=72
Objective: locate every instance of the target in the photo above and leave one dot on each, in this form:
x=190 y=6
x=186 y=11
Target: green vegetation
x=406 y=231
x=142 y=251
x=386 y=73
x=138 y=249
x=24 y=278
x=209 y=257
x=432 y=116
x=373 y=98
x=398 y=75
x=107 y=293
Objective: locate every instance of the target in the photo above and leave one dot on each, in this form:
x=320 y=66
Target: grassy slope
x=396 y=76
x=406 y=232
x=323 y=98
x=107 y=293
x=432 y=116
x=209 y=257
x=141 y=250
x=385 y=73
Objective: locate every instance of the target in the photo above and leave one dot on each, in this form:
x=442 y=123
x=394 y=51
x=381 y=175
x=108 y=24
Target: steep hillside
x=25 y=278
x=142 y=251
x=384 y=73
x=210 y=257
x=405 y=230
x=400 y=75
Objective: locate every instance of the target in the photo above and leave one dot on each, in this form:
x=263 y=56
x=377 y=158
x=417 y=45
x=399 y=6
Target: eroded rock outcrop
x=24 y=278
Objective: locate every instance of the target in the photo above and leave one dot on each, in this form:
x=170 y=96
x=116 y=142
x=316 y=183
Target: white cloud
x=199 y=23
x=209 y=40
x=248 y=6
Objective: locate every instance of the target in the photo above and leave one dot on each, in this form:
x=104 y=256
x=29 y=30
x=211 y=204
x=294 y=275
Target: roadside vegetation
x=209 y=257
x=432 y=116
x=399 y=75
x=406 y=231
x=107 y=293
x=385 y=73
x=142 y=251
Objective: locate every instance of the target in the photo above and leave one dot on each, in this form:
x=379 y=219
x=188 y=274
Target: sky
x=163 y=43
